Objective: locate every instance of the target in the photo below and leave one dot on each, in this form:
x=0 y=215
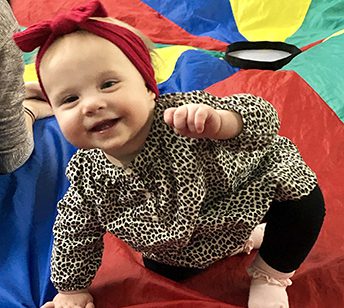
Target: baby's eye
x=108 y=84
x=70 y=99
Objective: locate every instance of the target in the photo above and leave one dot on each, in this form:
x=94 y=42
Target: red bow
x=38 y=34
x=45 y=33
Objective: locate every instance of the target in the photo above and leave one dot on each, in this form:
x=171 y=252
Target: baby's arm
x=203 y=121
x=80 y=298
x=78 y=237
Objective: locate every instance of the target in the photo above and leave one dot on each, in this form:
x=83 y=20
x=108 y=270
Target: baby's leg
x=256 y=238
x=176 y=273
x=291 y=231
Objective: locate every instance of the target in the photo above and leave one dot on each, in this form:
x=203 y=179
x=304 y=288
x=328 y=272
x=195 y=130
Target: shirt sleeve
x=78 y=234
x=16 y=141
x=260 y=119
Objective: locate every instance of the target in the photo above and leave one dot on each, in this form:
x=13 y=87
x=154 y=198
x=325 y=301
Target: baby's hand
x=81 y=299
x=194 y=120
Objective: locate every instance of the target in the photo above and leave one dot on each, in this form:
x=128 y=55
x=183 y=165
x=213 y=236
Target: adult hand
x=36 y=101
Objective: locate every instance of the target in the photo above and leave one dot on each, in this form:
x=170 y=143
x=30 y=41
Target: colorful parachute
x=191 y=37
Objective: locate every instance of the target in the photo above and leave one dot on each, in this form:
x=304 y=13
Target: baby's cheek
x=71 y=129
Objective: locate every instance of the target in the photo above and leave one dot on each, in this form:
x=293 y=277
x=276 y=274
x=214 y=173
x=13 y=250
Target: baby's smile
x=104 y=125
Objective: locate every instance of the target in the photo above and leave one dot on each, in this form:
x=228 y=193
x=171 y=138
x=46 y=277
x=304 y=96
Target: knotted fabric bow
x=44 y=33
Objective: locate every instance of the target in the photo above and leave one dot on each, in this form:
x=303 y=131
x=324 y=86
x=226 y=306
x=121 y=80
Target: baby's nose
x=92 y=105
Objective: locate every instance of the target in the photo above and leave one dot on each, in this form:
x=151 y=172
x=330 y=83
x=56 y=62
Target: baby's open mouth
x=104 y=125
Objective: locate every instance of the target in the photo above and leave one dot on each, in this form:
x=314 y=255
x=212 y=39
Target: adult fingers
x=33 y=90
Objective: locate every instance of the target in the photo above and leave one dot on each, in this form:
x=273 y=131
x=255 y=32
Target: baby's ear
x=151 y=94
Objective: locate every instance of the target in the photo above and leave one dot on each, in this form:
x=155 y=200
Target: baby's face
x=98 y=96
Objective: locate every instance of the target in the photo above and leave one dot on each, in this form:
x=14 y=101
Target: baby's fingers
x=168 y=116
x=48 y=305
x=192 y=120
x=180 y=118
x=201 y=116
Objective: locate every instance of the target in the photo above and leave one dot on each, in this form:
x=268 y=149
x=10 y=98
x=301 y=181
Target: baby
x=183 y=178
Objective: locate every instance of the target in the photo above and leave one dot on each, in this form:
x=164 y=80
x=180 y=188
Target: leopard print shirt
x=182 y=201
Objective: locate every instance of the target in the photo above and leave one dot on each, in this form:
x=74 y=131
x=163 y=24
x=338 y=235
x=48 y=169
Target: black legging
x=291 y=231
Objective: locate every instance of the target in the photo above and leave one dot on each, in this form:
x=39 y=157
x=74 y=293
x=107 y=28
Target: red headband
x=44 y=33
